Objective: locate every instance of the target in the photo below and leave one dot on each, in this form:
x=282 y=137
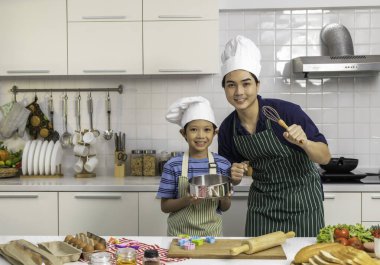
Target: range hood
x=340 y=59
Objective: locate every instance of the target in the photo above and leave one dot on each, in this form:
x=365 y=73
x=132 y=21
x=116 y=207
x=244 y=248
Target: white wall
x=347 y=110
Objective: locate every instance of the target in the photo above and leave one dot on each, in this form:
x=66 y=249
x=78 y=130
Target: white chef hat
x=188 y=109
x=241 y=53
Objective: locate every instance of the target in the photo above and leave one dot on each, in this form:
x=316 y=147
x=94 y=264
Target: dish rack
x=84 y=173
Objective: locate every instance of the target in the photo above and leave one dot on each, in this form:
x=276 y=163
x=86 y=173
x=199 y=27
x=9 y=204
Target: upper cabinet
x=180 y=36
x=33 y=37
x=104 y=37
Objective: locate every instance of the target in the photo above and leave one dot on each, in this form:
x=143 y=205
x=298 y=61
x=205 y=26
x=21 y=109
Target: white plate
x=36 y=157
x=24 y=161
x=49 y=150
x=56 y=157
x=30 y=157
x=41 y=163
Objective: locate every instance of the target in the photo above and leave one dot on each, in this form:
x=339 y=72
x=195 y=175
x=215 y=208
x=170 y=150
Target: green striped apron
x=195 y=220
x=286 y=193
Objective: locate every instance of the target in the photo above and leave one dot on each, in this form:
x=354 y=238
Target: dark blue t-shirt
x=289 y=112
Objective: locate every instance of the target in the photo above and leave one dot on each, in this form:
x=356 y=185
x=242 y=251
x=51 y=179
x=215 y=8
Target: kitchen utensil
x=54 y=134
x=221 y=250
x=76 y=137
x=66 y=137
x=121 y=156
x=340 y=165
x=210 y=186
x=257 y=244
x=107 y=134
x=91 y=111
x=273 y=115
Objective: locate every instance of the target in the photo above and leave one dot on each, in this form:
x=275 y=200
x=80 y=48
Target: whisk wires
x=273 y=115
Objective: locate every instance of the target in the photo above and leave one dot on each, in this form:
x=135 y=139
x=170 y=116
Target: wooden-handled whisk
x=273 y=115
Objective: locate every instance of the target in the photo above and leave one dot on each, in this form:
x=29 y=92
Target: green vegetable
x=358 y=230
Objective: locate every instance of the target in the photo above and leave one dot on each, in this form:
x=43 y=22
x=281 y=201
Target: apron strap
x=185 y=164
x=211 y=164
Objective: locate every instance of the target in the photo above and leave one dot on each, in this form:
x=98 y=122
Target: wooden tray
x=221 y=250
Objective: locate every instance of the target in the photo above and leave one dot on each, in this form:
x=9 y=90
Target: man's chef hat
x=188 y=109
x=241 y=53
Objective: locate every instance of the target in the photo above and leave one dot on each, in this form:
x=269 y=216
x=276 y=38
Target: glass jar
x=176 y=153
x=126 y=256
x=137 y=163
x=151 y=257
x=149 y=163
x=164 y=157
x=101 y=258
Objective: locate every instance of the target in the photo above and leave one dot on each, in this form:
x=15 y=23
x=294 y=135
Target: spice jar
x=100 y=258
x=137 y=163
x=149 y=163
x=164 y=157
x=126 y=256
x=151 y=257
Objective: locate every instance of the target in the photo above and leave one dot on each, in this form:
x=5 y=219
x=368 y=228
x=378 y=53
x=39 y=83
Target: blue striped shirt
x=173 y=170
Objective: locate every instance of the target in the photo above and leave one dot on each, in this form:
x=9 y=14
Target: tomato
x=353 y=240
x=342 y=240
x=341 y=232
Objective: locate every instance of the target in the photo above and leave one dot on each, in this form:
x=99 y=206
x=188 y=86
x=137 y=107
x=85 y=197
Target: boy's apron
x=195 y=220
x=286 y=192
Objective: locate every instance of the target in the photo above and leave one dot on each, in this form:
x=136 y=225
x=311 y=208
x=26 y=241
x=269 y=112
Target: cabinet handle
x=180 y=70
x=98 y=196
x=28 y=71
x=104 y=71
x=19 y=196
x=375 y=197
x=104 y=17
x=179 y=16
x=330 y=196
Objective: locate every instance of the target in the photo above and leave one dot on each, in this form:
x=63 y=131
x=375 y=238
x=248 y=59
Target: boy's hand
x=237 y=172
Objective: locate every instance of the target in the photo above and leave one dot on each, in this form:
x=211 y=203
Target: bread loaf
x=304 y=254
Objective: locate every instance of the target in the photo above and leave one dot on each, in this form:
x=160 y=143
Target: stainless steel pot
x=210 y=186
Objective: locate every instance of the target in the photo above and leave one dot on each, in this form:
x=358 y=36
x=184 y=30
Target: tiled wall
x=346 y=110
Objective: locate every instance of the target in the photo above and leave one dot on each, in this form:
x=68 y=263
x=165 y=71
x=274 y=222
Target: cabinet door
x=342 y=208
x=234 y=218
x=104 y=10
x=180 y=9
x=181 y=47
x=371 y=206
x=28 y=213
x=33 y=37
x=102 y=213
x=152 y=221
x=107 y=48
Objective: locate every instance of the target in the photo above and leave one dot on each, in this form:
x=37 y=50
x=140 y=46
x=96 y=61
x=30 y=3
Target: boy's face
x=199 y=135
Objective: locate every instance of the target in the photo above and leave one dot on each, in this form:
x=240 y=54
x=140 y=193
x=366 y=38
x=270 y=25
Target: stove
x=354 y=176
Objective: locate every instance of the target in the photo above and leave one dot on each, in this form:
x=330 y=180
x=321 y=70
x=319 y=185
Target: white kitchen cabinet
x=234 y=218
x=152 y=221
x=33 y=37
x=102 y=213
x=104 y=10
x=370 y=202
x=180 y=9
x=28 y=213
x=104 y=48
x=181 y=37
x=342 y=208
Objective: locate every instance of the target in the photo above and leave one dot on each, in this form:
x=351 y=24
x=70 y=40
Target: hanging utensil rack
x=16 y=90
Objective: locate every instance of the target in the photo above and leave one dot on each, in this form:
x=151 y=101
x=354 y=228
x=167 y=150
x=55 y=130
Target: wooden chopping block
x=257 y=244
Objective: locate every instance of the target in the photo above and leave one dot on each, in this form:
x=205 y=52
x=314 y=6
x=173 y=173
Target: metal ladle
x=107 y=134
x=65 y=139
x=77 y=135
x=90 y=111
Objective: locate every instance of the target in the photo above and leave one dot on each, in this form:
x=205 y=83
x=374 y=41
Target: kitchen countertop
x=136 y=184
x=291 y=247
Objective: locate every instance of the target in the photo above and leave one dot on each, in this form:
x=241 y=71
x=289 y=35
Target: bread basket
x=210 y=186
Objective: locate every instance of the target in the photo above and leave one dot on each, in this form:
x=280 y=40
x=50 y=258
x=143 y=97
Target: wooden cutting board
x=221 y=250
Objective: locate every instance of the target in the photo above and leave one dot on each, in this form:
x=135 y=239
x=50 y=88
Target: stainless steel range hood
x=340 y=59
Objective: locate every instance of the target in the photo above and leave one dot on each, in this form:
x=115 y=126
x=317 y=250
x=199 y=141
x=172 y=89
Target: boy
x=191 y=215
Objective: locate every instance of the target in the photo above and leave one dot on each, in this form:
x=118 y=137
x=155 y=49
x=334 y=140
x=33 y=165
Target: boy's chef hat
x=188 y=109
x=241 y=53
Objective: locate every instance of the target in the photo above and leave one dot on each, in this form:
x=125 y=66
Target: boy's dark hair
x=254 y=77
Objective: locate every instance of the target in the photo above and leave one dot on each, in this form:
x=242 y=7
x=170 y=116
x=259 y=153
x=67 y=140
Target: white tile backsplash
x=346 y=110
